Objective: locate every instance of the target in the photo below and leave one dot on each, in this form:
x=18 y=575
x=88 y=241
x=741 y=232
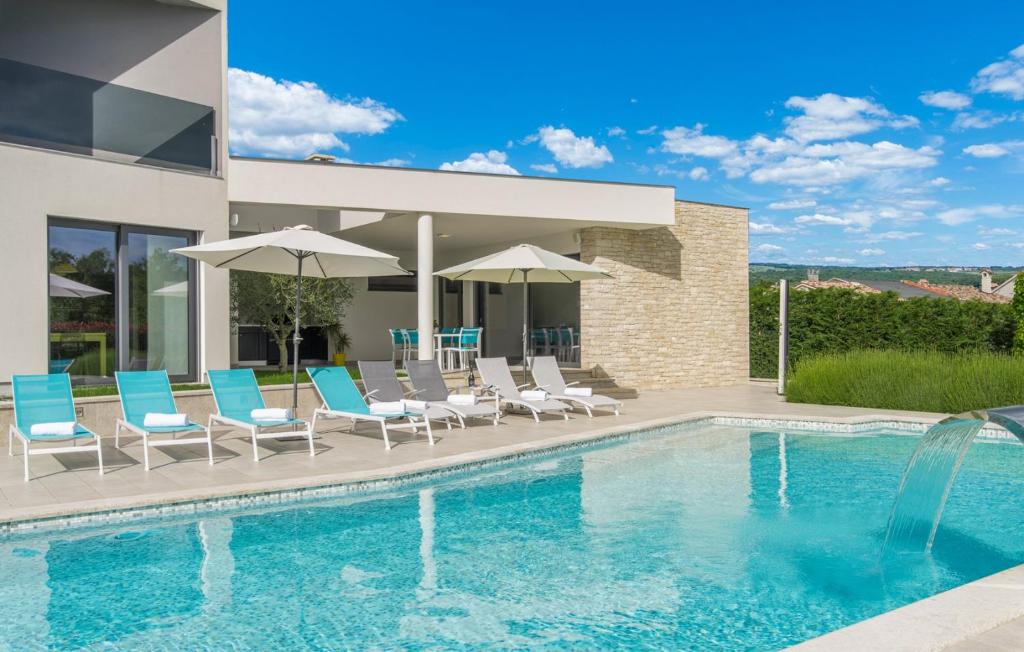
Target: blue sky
x=861 y=133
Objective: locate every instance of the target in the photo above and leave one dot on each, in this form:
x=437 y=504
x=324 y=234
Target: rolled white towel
x=534 y=395
x=54 y=429
x=415 y=405
x=271 y=414
x=579 y=391
x=462 y=399
x=161 y=420
x=388 y=407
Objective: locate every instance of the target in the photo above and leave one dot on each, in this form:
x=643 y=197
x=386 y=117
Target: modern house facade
x=113 y=149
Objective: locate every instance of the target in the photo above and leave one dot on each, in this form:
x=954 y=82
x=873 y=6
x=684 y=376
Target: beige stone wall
x=676 y=312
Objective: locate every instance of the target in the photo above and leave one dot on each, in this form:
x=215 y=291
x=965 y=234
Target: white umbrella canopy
x=521 y=263
x=524 y=264
x=276 y=252
x=65 y=287
x=285 y=252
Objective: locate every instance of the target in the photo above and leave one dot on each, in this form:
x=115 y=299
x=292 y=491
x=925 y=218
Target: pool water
x=704 y=537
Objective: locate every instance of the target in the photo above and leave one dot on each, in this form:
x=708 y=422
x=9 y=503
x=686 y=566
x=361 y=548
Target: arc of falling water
x=932 y=470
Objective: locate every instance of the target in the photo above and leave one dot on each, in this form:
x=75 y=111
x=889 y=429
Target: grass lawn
x=901 y=380
x=263 y=377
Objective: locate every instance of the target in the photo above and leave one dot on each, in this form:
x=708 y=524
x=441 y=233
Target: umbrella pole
x=526 y=322
x=296 y=339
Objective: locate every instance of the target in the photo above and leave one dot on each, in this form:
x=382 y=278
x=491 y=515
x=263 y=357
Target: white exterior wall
x=161 y=48
x=37 y=184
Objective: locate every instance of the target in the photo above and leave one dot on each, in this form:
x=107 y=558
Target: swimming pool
x=705 y=537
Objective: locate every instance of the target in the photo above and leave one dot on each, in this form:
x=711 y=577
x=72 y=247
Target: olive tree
x=268 y=300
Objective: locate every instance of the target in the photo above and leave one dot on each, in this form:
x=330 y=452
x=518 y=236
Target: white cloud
x=836 y=260
x=699 y=174
x=945 y=99
x=956 y=216
x=982 y=119
x=893 y=235
x=693 y=142
x=791 y=204
x=981 y=246
x=573 y=151
x=647 y=131
x=493 y=162
x=818 y=219
x=550 y=168
x=272 y=117
x=769 y=249
x=986 y=150
x=1005 y=77
x=766 y=228
x=997 y=231
x=833 y=163
x=831 y=117
x=939 y=181
x=872 y=252
x=616 y=131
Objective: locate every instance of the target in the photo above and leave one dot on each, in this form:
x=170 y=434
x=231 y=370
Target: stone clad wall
x=676 y=313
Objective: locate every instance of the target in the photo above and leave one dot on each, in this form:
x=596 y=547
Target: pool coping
x=125 y=508
x=929 y=624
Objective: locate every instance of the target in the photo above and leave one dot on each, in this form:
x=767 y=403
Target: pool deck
x=68 y=485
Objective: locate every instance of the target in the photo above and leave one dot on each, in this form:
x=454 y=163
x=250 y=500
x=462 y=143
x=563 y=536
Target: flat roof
x=323 y=184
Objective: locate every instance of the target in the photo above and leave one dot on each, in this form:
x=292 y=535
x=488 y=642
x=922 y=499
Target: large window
x=119 y=299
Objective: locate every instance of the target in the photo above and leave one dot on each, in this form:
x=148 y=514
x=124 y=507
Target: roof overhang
x=336 y=186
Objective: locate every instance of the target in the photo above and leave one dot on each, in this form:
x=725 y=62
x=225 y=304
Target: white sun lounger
x=498 y=377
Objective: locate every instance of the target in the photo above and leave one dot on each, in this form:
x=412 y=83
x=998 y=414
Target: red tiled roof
x=961 y=292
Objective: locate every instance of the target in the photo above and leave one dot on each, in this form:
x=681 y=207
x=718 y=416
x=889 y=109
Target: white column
x=425 y=285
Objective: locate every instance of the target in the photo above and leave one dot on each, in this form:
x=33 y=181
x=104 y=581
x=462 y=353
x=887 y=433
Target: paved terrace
x=69 y=484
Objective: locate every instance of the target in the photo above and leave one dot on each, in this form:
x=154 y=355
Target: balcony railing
x=56 y=110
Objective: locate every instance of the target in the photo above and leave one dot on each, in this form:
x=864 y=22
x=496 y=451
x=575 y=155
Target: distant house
x=988 y=293
x=814 y=284
x=960 y=292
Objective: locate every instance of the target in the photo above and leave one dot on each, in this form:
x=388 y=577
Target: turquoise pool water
x=703 y=538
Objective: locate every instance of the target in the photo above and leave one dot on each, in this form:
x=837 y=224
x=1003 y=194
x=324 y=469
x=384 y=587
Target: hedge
x=839 y=320
x=909 y=380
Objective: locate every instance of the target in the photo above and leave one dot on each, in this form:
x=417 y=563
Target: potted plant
x=341 y=341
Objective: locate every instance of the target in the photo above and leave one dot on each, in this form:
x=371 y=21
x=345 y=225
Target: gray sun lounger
x=382 y=385
x=429 y=384
x=547 y=376
x=496 y=374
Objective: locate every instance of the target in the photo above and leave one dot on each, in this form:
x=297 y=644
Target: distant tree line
x=840 y=320
x=775 y=272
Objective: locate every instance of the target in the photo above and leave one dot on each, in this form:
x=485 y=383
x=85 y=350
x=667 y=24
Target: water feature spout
x=931 y=472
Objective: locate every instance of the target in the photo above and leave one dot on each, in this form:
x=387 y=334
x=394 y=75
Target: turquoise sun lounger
x=236 y=394
x=149 y=392
x=46 y=399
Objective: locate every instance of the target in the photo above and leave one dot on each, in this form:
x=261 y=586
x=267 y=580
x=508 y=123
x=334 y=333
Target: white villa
x=113 y=150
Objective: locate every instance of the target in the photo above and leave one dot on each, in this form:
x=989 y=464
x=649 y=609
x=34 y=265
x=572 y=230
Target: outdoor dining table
x=439 y=344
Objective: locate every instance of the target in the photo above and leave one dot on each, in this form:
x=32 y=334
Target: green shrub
x=927 y=381
x=838 y=320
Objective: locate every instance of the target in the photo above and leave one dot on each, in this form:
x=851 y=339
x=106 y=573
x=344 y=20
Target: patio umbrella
x=65 y=287
x=524 y=264
x=284 y=252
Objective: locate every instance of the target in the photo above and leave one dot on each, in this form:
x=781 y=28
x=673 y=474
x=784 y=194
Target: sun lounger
x=498 y=377
x=429 y=384
x=240 y=404
x=382 y=385
x=146 y=395
x=44 y=412
x=548 y=377
x=341 y=398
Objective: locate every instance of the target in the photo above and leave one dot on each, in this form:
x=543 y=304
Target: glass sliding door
x=159 y=303
x=120 y=300
x=82 y=289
